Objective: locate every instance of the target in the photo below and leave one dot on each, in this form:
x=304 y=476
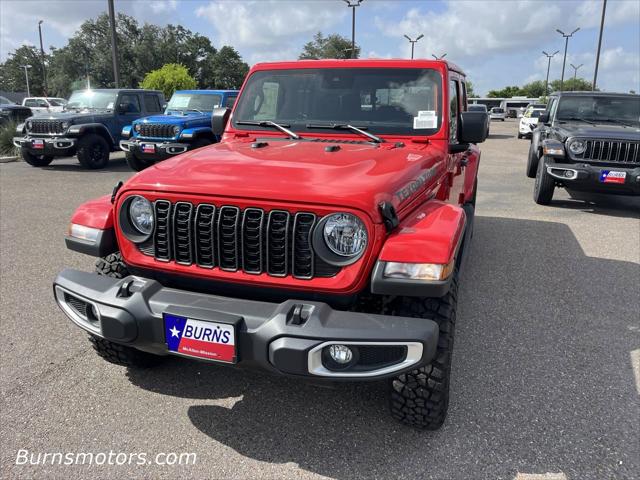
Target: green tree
x=570 y=85
x=12 y=77
x=228 y=69
x=168 y=79
x=470 y=92
x=506 y=92
x=533 y=89
x=332 y=46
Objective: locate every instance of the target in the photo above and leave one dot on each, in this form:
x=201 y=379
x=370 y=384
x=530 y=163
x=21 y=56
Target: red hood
x=358 y=175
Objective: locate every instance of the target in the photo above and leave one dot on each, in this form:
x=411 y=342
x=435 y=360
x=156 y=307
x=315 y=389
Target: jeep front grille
x=614 y=151
x=156 y=130
x=226 y=237
x=47 y=127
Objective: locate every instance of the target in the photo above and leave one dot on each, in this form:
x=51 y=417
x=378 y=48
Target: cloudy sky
x=498 y=43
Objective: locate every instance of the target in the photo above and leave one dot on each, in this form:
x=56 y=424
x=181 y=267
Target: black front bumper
x=286 y=338
x=162 y=150
x=589 y=178
x=52 y=146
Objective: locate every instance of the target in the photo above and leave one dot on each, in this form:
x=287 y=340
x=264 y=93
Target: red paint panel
x=97 y=213
x=429 y=235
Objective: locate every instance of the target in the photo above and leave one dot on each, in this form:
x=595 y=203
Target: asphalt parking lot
x=548 y=333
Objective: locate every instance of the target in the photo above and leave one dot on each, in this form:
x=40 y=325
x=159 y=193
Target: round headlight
x=65 y=125
x=137 y=127
x=577 y=147
x=345 y=234
x=176 y=130
x=141 y=215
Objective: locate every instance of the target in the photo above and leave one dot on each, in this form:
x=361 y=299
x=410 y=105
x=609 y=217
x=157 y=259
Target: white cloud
x=163 y=6
x=270 y=29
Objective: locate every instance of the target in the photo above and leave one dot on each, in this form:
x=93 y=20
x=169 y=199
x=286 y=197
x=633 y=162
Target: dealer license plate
x=200 y=339
x=37 y=144
x=611 y=176
x=148 y=148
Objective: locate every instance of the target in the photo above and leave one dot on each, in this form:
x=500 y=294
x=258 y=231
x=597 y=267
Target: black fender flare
x=85 y=128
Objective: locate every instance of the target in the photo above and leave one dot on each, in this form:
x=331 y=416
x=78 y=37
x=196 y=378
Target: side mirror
x=473 y=127
x=122 y=108
x=544 y=118
x=219 y=120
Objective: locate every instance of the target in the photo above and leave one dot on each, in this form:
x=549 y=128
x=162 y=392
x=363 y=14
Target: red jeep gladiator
x=320 y=239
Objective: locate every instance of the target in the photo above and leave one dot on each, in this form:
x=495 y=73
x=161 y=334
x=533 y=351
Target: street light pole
x=413 y=42
x=44 y=68
x=566 y=36
x=114 y=44
x=353 y=4
x=575 y=72
x=595 y=73
x=26 y=76
x=439 y=57
x=546 y=83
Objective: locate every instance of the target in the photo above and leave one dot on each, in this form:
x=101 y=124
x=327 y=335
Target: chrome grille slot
x=182 y=248
x=162 y=232
x=278 y=243
x=156 y=130
x=204 y=232
x=610 y=151
x=303 y=258
x=228 y=238
x=252 y=221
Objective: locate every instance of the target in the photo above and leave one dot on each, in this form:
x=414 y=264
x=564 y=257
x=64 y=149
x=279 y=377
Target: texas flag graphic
x=608 y=176
x=213 y=341
x=148 y=148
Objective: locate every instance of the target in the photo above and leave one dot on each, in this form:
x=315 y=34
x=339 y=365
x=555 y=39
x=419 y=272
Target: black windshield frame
x=382 y=101
x=596 y=107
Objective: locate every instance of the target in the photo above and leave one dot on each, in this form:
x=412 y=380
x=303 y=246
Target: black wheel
x=35 y=160
x=519 y=136
x=135 y=163
x=420 y=398
x=113 y=266
x=532 y=162
x=544 y=185
x=502 y=119
x=201 y=142
x=93 y=151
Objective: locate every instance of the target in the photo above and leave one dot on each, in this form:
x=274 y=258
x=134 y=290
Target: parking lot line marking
x=540 y=476
x=635 y=365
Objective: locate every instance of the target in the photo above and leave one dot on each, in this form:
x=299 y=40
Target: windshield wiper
x=193 y=110
x=576 y=119
x=269 y=123
x=615 y=120
x=341 y=126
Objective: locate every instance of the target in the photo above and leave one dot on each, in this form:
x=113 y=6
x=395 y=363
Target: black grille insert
x=47 y=127
x=613 y=151
x=156 y=130
x=303 y=256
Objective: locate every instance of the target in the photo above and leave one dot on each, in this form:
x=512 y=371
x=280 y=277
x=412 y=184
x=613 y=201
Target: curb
x=9 y=159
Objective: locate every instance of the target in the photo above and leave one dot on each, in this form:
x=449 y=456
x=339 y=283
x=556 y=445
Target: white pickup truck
x=44 y=104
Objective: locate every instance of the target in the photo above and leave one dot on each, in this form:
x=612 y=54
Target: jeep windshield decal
x=193 y=102
x=378 y=100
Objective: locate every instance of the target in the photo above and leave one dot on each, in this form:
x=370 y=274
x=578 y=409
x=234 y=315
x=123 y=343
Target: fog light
x=340 y=354
x=568 y=173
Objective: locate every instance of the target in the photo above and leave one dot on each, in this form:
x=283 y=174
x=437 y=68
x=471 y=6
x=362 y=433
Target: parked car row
x=94 y=123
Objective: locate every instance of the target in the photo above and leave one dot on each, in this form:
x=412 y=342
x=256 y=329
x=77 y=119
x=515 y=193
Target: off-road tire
x=420 y=398
x=93 y=151
x=532 y=162
x=123 y=355
x=520 y=136
x=35 y=160
x=544 y=185
x=113 y=266
x=135 y=163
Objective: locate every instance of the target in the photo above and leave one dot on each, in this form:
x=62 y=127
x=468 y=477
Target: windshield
x=57 y=102
x=378 y=100
x=92 y=100
x=203 y=102
x=625 y=109
x=533 y=113
x=5 y=101
x=497 y=110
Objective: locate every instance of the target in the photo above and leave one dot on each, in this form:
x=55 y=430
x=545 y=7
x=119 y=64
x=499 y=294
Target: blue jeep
x=185 y=125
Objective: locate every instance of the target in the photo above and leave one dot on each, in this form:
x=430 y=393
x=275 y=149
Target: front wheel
x=420 y=398
x=135 y=163
x=93 y=151
x=532 y=162
x=35 y=160
x=544 y=186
